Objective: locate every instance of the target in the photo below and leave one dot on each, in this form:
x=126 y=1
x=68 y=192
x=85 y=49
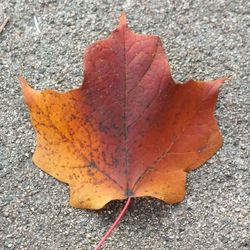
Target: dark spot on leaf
x=91 y=164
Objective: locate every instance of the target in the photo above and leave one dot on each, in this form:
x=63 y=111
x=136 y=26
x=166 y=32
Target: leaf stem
x=118 y=219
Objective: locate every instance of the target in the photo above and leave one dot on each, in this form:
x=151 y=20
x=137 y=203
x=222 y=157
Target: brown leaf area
x=129 y=130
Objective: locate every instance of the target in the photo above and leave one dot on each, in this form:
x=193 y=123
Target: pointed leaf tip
x=23 y=82
x=28 y=92
x=221 y=80
x=224 y=78
x=123 y=19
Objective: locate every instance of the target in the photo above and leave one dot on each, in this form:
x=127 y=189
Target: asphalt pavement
x=44 y=41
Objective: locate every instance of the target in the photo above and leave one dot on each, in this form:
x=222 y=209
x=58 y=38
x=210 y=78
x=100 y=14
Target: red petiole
x=118 y=219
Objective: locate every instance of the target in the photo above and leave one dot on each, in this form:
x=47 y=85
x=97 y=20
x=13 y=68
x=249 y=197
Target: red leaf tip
x=221 y=80
x=123 y=19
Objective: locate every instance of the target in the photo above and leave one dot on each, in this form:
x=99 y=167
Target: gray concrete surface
x=204 y=40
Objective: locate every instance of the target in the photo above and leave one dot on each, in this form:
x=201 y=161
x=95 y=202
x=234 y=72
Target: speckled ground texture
x=204 y=40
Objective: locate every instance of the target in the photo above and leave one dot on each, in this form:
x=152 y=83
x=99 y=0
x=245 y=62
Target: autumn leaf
x=129 y=130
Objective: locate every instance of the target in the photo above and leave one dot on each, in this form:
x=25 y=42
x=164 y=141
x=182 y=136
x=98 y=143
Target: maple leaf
x=129 y=130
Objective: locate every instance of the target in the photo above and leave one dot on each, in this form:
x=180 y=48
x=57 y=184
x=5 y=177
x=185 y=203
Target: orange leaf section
x=129 y=130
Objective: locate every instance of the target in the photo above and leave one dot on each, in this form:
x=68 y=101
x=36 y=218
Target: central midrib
x=125 y=112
